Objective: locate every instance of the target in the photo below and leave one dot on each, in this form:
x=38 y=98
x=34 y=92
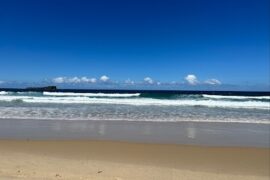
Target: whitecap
x=3 y=93
x=235 y=97
x=140 y=102
x=90 y=94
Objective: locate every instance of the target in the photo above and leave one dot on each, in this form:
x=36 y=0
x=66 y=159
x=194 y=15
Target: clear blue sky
x=227 y=40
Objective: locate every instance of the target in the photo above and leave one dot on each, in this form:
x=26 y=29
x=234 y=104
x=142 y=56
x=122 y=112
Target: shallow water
x=189 y=133
x=135 y=107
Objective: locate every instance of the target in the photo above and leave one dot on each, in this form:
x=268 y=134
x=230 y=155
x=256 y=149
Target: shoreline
x=183 y=133
x=126 y=150
x=86 y=159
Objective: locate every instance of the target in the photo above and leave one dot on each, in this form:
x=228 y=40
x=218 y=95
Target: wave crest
x=90 y=94
x=3 y=93
x=236 y=97
x=140 y=102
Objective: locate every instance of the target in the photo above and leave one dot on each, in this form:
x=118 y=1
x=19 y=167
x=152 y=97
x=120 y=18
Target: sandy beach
x=21 y=159
x=134 y=90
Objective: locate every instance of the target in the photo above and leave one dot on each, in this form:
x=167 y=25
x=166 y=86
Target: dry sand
x=107 y=160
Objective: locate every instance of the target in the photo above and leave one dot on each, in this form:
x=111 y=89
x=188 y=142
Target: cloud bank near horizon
x=188 y=82
x=190 y=79
x=60 y=80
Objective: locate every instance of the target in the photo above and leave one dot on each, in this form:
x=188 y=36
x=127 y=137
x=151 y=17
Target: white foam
x=3 y=93
x=140 y=102
x=52 y=113
x=90 y=94
x=235 y=97
x=135 y=120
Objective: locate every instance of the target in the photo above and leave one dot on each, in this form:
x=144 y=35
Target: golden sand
x=106 y=160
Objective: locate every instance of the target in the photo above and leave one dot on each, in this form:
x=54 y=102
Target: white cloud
x=213 y=82
x=148 y=80
x=88 y=80
x=74 y=80
x=191 y=79
x=60 y=80
x=128 y=81
x=93 y=80
x=84 y=79
x=104 y=78
x=2 y=82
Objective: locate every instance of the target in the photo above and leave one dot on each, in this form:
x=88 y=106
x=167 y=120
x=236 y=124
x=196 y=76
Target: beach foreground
x=69 y=159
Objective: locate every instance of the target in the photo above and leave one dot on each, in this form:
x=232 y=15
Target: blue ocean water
x=136 y=106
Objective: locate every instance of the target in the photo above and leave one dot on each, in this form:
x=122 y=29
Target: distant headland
x=47 y=88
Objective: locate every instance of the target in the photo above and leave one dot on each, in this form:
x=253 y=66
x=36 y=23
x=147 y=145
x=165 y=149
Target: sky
x=170 y=42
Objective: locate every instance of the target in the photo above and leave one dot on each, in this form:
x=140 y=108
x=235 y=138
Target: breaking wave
x=236 y=97
x=3 y=93
x=90 y=94
x=138 y=101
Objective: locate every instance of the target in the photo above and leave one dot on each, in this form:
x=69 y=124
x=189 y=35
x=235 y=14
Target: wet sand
x=82 y=159
x=189 y=133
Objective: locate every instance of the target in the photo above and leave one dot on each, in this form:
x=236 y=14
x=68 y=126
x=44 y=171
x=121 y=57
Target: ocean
x=136 y=106
x=177 y=117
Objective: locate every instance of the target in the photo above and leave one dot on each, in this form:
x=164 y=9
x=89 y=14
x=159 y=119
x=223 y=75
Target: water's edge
x=187 y=133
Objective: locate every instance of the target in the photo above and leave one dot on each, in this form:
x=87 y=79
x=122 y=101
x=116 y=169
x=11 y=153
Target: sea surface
x=136 y=106
x=176 y=117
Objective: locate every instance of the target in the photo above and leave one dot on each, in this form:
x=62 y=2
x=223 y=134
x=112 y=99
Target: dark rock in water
x=47 y=88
